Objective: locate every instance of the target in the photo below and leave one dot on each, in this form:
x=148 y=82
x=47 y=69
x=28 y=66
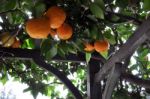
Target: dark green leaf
x=39 y=9
x=61 y=52
x=46 y=46
x=94 y=32
x=51 y=53
x=27 y=89
x=146 y=5
x=97 y=11
x=7 y=5
x=122 y=3
x=16 y=17
x=100 y=3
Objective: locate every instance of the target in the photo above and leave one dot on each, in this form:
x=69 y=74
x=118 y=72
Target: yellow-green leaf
x=104 y=54
x=87 y=56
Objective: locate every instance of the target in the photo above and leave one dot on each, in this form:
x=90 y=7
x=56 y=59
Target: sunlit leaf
x=29 y=43
x=87 y=56
x=104 y=54
x=4 y=79
x=108 y=35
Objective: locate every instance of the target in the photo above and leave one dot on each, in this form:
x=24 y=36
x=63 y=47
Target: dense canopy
x=88 y=41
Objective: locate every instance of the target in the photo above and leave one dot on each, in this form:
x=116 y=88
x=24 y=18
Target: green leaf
x=144 y=52
x=7 y=5
x=49 y=48
x=72 y=49
x=104 y=54
x=39 y=9
x=34 y=93
x=4 y=79
x=61 y=52
x=109 y=36
x=46 y=46
x=16 y=17
x=87 y=56
x=97 y=11
x=64 y=47
x=94 y=32
x=78 y=44
x=122 y=3
x=100 y=3
x=29 y=43
x=146 y=5
x=115 y=18
x=51 y=53
x=27 y=89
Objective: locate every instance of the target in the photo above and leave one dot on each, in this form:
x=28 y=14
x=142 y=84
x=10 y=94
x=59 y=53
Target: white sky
x=17 y=89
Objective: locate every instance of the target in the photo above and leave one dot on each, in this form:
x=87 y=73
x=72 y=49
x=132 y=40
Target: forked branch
x=139 y=36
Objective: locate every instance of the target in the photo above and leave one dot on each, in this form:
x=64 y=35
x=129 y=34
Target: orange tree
x=110 y=36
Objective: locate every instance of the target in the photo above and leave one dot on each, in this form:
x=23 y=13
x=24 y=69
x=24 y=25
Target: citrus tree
x=106 y=39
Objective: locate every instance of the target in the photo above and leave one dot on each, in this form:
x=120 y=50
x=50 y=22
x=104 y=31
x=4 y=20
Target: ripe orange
x=88 y=47
x=7 y=39
x=65 y=31
x=56 y=16
x=38 y=28
x=53 y=33
x=16 y=44
x=101 y=45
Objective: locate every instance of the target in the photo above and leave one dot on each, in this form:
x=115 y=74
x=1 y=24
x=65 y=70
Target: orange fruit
x=101 y=45
x=7 y=39
x=88 y=47
x=38 y=28
x=56 y=16
x=53 y=33
x=16 y=44
x=65 y=31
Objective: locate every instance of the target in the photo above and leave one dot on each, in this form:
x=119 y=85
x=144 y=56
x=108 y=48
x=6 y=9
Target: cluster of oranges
x=52 y=22
x=7 y=40
x=99 y=46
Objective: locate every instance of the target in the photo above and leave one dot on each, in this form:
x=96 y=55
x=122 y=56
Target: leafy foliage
x=113 y=20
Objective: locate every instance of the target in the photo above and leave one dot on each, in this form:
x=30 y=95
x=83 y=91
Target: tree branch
x=112 y=81
x=139 y=36
x=39 y=60
x=136 y=80
x=27 y=54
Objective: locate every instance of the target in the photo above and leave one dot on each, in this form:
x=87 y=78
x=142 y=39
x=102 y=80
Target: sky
x=17 y=89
